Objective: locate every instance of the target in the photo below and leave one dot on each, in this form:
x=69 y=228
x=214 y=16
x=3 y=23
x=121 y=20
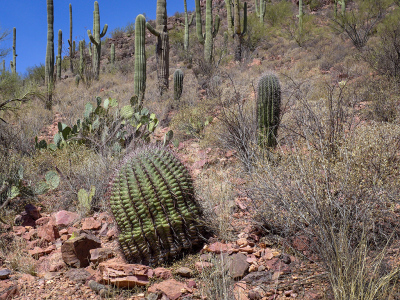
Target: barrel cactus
x=268 y=109
x=178 y=84
x=152 y=199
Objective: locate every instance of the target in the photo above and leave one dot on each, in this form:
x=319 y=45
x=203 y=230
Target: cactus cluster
x=162 y=47
x=49 y=65
x=268 y=109
x=95 y=38
x=207 y=39
x=139 y=80
x=152 y=199
x=178 y=84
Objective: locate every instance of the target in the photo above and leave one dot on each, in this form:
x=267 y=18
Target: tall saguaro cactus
x=96 y=40
x=49 y=66
x=58 y=60
x=206 y=39
x=13 y=64
x=268 y=109
x=229 y=19
x=152 y=200
x=139 y=80
x=239 y=31
x=162 y=47
x=187 y=24
x=70 y=41
x=260 y=9
x=81 y=57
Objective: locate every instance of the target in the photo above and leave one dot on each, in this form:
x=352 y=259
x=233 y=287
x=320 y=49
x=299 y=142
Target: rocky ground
x=78 y=258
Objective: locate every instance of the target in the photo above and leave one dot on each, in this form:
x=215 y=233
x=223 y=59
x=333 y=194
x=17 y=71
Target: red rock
x=65 y=218
x=8 y=289
x=90 y=224
x=171 y=288
x=103 y=231
x=39 y=252
x=28 y=236
x=56 y=262
x=19 y=230
x=191 y=284
x=98 y=255
x=200 y=164
x=124 y=275
x=240 y=291
x=202 y=265
x=76 y=251
x=162 y=273
x=63 y=231
x=301 y=243
x=48 y=232
x=276 y=264
x=105 y=217
x=112 y=233
x=218 y=248
x=42 y=221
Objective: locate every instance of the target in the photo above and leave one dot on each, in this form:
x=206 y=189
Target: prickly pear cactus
x=153 y=203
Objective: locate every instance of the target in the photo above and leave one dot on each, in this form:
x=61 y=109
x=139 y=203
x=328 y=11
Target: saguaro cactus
x=70 y=41
x=162 y=47
x=187 y=24
x=13 y=63
x=239 y=31
x=112 y=54
x=49 y=66
x=59 y=55
x=81 y=57
x=260 y=9
x=300 y=16
x=96 y=40
x=178 y=84
x=4 y=66
x=139 y=80
x=268 y=109
x=229 y=19
x=152 y=199
x=206 y=39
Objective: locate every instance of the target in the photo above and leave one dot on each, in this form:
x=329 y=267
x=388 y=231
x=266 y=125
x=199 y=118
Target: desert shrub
x=255 y=32
x=10 y=85
x=277 y=13
x=117 y=33
x=130 y=28
x=36 y=74
x=17 y=258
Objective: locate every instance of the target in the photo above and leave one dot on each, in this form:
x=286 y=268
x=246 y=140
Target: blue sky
x=30 y=19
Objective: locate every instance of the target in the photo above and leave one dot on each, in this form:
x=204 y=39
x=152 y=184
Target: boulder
x=65 y=218
x=90 y=224
x=48 y=232
x=171 y=288
x=76 y=251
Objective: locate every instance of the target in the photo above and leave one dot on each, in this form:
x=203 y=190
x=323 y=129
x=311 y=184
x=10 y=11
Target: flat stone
x=78 y=275
x=238 y=265
x=90 y=224
x=258 y=278
x=65 y=218
x=162 y=273
x=184 y=272
x=76 y=251
x=5 y=274
x=99 y=255
x=171 y=288
x=124 y=275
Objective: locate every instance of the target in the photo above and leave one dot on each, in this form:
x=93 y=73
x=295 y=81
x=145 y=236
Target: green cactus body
x=4 y=65
x=300 y=16
x=187 y=24
x=58 y=62
x=70 y=41
x=112 y=54
x=96 y=40
x=162 y=47
x=152 y=199
x=268 y=110
x=77 y=80
x=260 y=9
x=229 y=19
x=343 y=6
x=178 y=84
x=81 y=57
x=239 y=31
x=14 y=61
x=49 y=65
x=211 y=30
x=140 y=58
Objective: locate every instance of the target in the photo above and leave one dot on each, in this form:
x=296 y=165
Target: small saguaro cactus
x=178 y=84
x=260 y=9
x=162 y=47
x=58 y=61
x=239 y=30
x=81 y=57
x=13 y=64
x=300 y=16
x=187 y=24
x=96 y=40
x=112 y=54
x=207 y=39
x=268 y=109
x=71 y=43
x=152 y=200
x=49 y=66
x=342 y=5
x=139 y=80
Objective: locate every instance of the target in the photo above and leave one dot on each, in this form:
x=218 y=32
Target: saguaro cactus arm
x=260 y=9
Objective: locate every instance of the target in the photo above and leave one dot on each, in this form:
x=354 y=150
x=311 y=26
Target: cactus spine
x=152 y=199
x=178 y=84
x=49 y=66
x=96 y=40
x=140 y=58
x=13 y=63
x=162 y=47
x=112 y=54
x=260 y=9
x=59 y=55
x=70 y=41
x=268 y=110
x=239 y=31
x=206 y=39
x=187 y=24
